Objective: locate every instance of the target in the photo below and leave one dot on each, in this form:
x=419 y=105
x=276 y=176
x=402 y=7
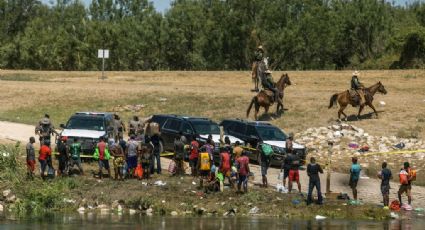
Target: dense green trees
x=211 y=34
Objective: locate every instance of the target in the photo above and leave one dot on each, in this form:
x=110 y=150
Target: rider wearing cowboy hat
x=357 y=86
x=268 y=83
x=259 y=53
x=256 y=70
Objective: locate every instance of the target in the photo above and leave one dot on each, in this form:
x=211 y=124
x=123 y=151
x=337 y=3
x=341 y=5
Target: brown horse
x=262 y=99
x=344 y=99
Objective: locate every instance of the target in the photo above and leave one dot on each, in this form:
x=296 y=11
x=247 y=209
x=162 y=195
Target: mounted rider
x=258 y=58
x=357 y=88
x=268 y=84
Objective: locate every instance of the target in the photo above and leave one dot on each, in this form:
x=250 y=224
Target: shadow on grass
x=366 y=116
x=272 y=115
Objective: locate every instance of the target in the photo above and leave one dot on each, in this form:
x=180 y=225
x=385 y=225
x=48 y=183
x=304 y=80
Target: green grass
x=196 y=105
x=411 y=132
x=20 y=77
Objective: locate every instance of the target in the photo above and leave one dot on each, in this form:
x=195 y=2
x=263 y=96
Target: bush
x=411 y=132
x=11 y=170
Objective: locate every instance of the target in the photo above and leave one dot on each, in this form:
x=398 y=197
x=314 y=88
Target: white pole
x=103 y=64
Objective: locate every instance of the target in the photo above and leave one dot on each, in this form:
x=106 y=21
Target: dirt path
x=369 y=189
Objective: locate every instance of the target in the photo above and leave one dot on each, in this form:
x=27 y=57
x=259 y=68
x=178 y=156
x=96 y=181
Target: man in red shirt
x=193 y=157
x=243 y=171
x=225 y=164
x=102 y=155
x=45 y=153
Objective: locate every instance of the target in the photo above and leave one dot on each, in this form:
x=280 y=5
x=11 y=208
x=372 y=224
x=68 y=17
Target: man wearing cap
x=45 y=129
x=119 y=128
x=357 y=86
x=134 y=126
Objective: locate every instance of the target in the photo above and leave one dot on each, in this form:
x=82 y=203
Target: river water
x=135 y=222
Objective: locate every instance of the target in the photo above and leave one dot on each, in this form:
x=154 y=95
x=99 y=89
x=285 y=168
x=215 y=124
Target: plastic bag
x=280 y=188
x=280 y=176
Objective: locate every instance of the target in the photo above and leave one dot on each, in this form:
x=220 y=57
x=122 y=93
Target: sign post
x=328 y=176
x=102 y=53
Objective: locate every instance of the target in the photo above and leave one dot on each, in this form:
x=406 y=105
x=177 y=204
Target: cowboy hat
x=356 y=73
x=268 y=71
x=260 y=48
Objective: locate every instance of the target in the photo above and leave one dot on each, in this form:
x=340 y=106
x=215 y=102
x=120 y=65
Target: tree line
x=211 y=34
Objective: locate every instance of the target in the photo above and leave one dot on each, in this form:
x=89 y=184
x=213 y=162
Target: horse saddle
x=270 y=94
x=354 y=97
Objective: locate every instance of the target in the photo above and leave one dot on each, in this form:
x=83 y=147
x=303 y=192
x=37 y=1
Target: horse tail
x=254 y=100
x=333 y=100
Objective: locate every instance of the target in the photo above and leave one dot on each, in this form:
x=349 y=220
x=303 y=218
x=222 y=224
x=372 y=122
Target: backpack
x=50 y=173
x=267 y=149
x=403 y=177
x=225 y=164
x=75 y=151
x=172 y=167
x=205 y=161
x=412 y=174
x=138 y=172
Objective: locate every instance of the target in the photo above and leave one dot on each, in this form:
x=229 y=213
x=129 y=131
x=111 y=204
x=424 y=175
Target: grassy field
x=26 y=95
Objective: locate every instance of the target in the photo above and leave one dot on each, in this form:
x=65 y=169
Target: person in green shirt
x=75 y=159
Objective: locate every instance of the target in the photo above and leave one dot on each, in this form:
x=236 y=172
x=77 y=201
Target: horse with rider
x=358 y=95
x=261 y=73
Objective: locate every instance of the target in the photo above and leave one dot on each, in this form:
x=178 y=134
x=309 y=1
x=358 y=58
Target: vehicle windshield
x=270 y=133
x=205 y=127
x=87 y=123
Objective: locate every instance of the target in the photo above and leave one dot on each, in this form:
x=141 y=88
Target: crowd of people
x=136 y=158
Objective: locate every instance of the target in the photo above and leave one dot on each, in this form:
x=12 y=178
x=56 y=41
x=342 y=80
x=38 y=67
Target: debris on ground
x=319 y=217
x=407 y=207
x=296 y=202
x=254 y=210
x=347 y=139
x=280 y=188
x=394 y=215
x=400 y=145
x=160 y=183
x=419 y=209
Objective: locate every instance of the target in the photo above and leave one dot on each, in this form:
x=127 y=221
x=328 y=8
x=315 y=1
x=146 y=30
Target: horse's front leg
x=373 y=107
x=257 y=109
x=278 y=106
x=360 y=111
x=341 y=111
